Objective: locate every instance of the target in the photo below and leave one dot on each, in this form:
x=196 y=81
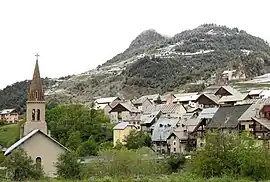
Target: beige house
x=120 y=131
x=9 y=115
x=42 y=148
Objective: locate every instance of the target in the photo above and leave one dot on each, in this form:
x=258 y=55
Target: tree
x=74 y=140
x=68 y=166
x=21 y=167
x=137 y=139
x=74 y=124
x=87 y=148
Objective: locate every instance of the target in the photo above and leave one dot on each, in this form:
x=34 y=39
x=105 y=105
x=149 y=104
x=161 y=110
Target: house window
x=174 y=137
x=38 y=163
x=243 y=127
x=174 y=143
x=174 y=149
x=250 y=126
x=33 y=115
x=38 y=114
x=163 y=151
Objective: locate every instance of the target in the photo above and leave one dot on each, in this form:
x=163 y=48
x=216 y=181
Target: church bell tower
x=35 y=105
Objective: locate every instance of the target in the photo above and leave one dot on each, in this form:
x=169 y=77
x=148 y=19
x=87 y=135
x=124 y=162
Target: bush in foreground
x=21 y=167
x=125 y=163
x=232 y=155
x=68 y=166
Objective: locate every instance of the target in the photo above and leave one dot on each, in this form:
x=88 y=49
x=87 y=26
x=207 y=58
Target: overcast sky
x=75 y=36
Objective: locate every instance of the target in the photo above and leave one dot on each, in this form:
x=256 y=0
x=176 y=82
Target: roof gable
x=124 y=107
x=251 y=111
x=227 y=117
x=7 y=111
x=28 y=136
x=228 y=89
x=106 y=100
x=122 y=126
x=163 y=128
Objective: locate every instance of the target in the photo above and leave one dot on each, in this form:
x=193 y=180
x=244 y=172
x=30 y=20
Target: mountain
x=154 y=63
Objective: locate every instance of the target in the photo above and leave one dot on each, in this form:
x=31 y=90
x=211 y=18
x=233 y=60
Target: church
x=34 y=139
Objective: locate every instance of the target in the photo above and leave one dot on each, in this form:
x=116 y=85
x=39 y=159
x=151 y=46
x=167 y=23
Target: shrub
x=176 y=162
x=137 y=139
x=21 y=167
x=232 y=155
x=68 y=166
x=124 y=163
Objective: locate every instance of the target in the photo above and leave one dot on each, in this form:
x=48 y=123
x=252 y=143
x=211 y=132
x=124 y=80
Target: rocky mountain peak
x=147 y=37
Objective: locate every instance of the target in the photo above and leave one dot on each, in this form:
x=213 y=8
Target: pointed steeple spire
x=36 y=91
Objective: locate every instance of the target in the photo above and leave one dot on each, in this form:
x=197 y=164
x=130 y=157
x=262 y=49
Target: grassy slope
x=9 y=134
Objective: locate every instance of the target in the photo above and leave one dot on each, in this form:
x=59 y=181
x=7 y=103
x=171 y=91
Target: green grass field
x=171 y=178
x=9 y=134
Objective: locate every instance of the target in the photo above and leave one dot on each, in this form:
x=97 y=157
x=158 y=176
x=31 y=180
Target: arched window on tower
x=38 y=114
x=33 y=115
x=38 y=163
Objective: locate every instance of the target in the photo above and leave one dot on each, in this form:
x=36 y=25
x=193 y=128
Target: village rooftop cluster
x=177 y=122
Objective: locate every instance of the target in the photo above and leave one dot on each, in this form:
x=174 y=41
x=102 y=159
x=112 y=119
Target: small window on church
x=33 y=115
x=38 y=163
x=36 y=94
x=38 y=114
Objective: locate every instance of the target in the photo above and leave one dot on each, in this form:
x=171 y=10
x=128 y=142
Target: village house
x=180 y=140
x=120 y=131
x=226 y=118
x=148 y=120
x=123 y=112
x=246 y=120
x=265 y=94
x=233 y=99
x=230 y=96
x=228 y=75
x=103 y=102
x=255 y=94
x=186 y=99
x=256 y=119
x=167 y=110
x=207 y=100
x=204 y=118
x=146 y=100
x=43 y=149
x=9 y=115
x=162 y=130
x=167 y=98
x=111 y=105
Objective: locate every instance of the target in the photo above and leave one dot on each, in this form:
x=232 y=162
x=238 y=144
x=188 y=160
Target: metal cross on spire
x=37 y=55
